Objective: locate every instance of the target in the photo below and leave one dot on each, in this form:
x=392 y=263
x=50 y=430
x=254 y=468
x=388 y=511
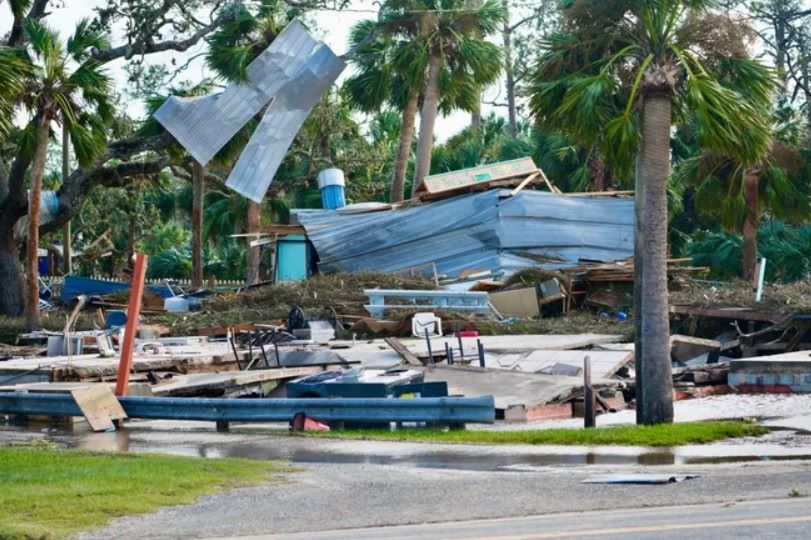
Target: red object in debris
x=314 y=425
x=304 y=423
x=468 y=333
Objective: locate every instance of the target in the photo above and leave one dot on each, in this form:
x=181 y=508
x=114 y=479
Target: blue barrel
x=331 y=183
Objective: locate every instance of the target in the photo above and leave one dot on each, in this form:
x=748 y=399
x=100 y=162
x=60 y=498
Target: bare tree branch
x=37 y=11
x=132 y=49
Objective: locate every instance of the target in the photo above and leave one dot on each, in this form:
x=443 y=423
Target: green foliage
x=787 y=250
x=604 y=59
x=64 y=83
x=54 y=493
x=170 y=263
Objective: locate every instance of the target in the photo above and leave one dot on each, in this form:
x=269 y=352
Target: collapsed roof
x=490 y=230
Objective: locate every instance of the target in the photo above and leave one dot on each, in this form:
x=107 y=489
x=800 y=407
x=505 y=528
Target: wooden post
x=131 y=328
x=254 y=253
x=588 y=395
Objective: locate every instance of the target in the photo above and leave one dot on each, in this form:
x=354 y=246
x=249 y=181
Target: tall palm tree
x=450 y=36
x=629 y=68
x=64 y=84
x=737 y=195
x=388 y=72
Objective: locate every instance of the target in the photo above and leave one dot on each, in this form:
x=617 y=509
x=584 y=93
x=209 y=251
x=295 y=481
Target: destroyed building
x=494 y=230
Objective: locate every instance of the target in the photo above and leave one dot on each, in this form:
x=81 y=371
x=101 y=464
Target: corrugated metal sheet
x=261 y=158
x=204 y=125
x=487 y=230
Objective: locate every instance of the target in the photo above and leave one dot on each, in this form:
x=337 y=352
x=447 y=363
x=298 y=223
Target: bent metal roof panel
x=486 y=230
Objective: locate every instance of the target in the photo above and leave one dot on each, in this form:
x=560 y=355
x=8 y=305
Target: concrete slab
x=604 y=364
x=778 y=373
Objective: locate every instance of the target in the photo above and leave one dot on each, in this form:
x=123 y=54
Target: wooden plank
x=483 y=174
x=190 y=384
x=99 y=406
x=282 y=229
x=401 y=349
x=524 y=183
x=728 y=313
x=133 y=314
x=552 y=187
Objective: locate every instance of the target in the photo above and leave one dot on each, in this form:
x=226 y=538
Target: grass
x=53 y=493
x=658 y=435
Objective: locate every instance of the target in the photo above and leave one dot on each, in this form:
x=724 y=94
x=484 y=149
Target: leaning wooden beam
x=401 y=349
x=524 y=183
x=133 y=313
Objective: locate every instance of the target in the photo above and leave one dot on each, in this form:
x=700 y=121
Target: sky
x=332 y=28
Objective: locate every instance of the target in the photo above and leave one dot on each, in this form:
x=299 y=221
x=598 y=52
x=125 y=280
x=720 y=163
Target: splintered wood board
x=99 y=406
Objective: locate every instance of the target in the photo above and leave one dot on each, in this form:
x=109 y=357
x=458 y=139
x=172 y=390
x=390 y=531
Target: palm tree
x=629 y=69
x=450 y=36
x=13 y=70
x=388 y=72
x=65 y=85
x=737 y=195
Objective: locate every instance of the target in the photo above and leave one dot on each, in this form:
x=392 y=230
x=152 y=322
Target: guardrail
x=461 y=410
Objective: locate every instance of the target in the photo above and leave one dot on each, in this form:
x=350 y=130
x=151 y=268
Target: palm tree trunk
x=476 y=115
x=67 y=239
x=654 y=171
x=197 y=224
x=430 y=106
x=254 y=253
x=751 y=221
x=397 y=192
x=510 y=73
x=11 y=287
x=597 y=172
x=33 y=320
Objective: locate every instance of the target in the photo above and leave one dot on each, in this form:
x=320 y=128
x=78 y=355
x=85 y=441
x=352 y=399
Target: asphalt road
x=340 y=497
x=781 y=518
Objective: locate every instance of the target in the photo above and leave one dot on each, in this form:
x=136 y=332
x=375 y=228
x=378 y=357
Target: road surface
x=780 y=518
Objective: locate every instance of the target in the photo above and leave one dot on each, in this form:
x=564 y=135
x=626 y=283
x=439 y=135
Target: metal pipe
x=760 y=278
x=480 y=348
x=461 y=350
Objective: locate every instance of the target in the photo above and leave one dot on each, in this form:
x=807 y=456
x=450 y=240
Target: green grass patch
x=47 y=492
x=658 y=435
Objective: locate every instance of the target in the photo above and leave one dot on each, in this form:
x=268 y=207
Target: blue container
x=292 y=260
x=331 y=183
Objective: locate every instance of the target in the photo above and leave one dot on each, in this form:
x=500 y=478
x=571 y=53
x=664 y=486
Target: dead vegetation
x=780 y=297
x=338 y=294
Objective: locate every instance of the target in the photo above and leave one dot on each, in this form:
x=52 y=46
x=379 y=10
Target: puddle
x=198 y=439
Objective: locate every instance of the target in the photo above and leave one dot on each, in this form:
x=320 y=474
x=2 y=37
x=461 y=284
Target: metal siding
x=204 y=125
x=481 y=230
x=261 y=158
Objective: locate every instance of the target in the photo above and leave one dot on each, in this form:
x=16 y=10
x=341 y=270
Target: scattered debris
x=639 y=478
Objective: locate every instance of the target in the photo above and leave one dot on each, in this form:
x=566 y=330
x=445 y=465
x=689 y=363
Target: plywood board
x=200 y=382
x=504 y=170
x=516 y=303
x=99 y=406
